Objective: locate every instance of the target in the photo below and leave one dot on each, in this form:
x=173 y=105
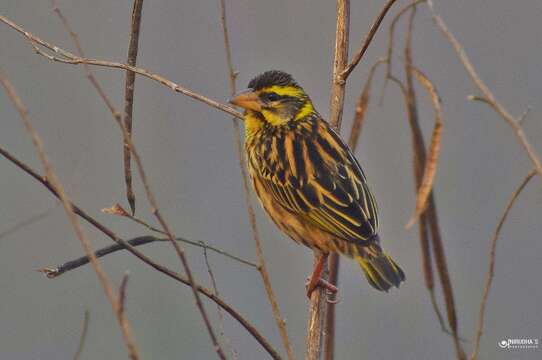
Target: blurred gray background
x=189 y=154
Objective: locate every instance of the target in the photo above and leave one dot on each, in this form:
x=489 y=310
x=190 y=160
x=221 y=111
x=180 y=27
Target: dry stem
x=318 y=316
x=262 y=268
x=55 y=184
x=438 y=247
x=491 y=266
x=149 y=194
x=488 y=95
x=83 y=336
x=366 y=42
x=129 y=98
x=69 y=58
x=80 y=212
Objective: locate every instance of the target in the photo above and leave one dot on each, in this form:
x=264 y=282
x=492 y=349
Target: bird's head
x=273 y=98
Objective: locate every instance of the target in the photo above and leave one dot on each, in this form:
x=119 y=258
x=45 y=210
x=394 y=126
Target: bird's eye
x=271 y=97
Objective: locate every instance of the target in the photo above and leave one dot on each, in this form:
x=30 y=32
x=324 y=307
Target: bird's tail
x=380 y=269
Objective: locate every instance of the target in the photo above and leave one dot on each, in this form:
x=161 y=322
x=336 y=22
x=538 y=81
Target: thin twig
x=429 y=220
x=119 y=210
x=491 y=100
x=339 y=63
x=83 y=336
x=391 y=33
x=56 y=271
x=26 y=222
x=79 y=48
x=55 y=184
x=69 y=58
x=317 y=316
x=225 y=33
x=148 y=192
x=432 y=219
x=171 y=236
x=361 y=107
x=491 y=266
x=334 y=262
x=122 y=291
x=281 y=324
x=426 y=218
x=80 y=212
x=329 y=321
x=321 y=323
x=129 y=98
x=366 y=42
x=219 y=310
x=431 y=162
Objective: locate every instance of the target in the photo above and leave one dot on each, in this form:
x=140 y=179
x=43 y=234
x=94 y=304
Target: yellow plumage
x=308 y=180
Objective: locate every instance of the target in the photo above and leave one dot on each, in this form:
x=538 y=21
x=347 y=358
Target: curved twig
x=491 y=266
x=488 y=95
x=367 y=41
x=54 y=183
x=81 y=213
x=262 y=268
x=69 y=58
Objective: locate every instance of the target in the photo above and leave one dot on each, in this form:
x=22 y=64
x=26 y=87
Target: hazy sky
x=189 y=155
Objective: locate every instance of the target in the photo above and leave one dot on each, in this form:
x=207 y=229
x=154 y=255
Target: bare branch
x=180 y=253
x=129 y=97
x=329 y=321
x=118 y=210
x=83 y=336
x=429 y=219
x=334 y=260
x=339 y=63
x=319 y=306
x=69 y=58
x=361 y=107
x=432 y=216
x=431 y=162
x=391 y=33
x=122 y=291
x=366 y=42
x=250 y=210
x=315 y=326
x=72 y=59
x=487 y=94
x=491 y=266
x=56 y=271
x=79 y=48
x=55 y=184
x=26 y=222
x=164 y=270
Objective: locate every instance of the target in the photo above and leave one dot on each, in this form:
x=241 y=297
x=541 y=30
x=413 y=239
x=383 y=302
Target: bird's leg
x=315 y=280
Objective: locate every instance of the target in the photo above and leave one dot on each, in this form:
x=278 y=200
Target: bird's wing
x=316 y=177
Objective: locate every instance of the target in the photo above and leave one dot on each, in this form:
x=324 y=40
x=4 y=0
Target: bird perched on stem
x=308 y=181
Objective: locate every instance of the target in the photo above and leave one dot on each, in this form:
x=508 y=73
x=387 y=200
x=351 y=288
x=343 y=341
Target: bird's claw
x=312 y=285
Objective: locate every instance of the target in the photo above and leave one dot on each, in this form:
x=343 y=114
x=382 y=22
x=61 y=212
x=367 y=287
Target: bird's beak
x=247 y=99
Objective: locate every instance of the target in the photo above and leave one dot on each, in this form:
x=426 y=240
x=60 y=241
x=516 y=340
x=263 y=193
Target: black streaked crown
x=270 y=78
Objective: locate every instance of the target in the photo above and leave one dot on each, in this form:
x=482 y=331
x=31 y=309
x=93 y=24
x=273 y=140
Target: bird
x=309 y=182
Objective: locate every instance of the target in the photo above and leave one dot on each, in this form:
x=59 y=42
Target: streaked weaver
x=308 y=181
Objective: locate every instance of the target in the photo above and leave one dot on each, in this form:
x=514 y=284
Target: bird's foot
x=312 y=284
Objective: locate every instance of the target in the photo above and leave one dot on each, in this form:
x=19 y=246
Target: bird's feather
x=313 y=175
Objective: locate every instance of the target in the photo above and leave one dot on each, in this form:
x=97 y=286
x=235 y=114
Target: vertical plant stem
x=83 y=336
x=438 y=247
x=262 y=268
x=129 y=98
x=319 y=307
x=128 y=141
x=491 y=266
x=124 y=324
x=484 y=89
x=366 y=42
